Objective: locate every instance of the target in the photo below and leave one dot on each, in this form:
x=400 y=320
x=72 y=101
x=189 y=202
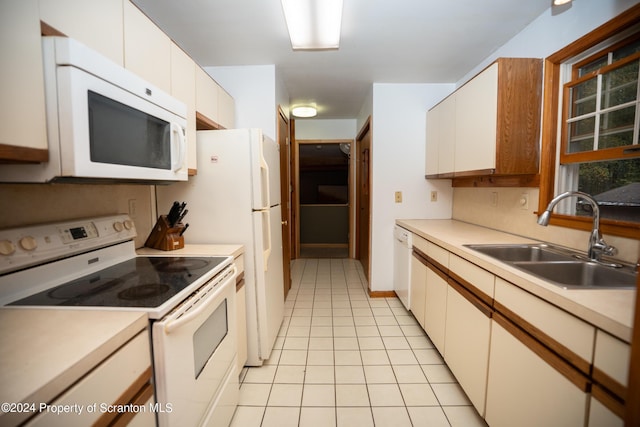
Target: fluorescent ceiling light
x=313 y=24
x=560 y=2
x=304 y=111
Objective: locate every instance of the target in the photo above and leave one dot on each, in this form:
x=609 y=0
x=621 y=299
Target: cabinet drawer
x=439 y=255
x=109 y=382
x=420 y=243
x=474 y=276
x=567 y=335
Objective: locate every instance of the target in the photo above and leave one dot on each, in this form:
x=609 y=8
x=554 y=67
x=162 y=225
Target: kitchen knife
x=173 y=214
x=182 y=215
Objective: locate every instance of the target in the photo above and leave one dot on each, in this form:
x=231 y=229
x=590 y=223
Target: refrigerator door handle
x=266 y=226
x=264 y=175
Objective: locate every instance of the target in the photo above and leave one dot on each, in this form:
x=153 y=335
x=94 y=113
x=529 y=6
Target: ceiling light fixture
x=313 y=24
x=560 y=2
x=305 y=111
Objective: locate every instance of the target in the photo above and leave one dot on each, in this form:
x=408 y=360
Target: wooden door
x=285 y=196
x=363 y=142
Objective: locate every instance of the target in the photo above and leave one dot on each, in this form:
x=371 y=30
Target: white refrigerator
x=235 y=199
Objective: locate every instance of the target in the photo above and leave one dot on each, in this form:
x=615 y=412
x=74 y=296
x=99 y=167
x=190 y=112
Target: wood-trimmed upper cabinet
x=496 y=126
x=23 y=123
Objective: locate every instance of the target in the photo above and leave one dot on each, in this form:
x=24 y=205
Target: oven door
x=194 y=348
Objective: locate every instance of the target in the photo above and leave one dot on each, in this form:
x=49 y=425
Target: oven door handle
x=173 y=324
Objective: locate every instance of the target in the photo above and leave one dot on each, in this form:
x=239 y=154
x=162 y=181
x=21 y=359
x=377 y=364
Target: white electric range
x=91 y=264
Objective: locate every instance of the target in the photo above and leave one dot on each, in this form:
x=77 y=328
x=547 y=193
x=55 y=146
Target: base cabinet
x=467 y=345
x=436 y=307
x=524 y=390
x=418 y=288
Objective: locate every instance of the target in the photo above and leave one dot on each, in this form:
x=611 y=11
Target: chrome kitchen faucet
x=597 y=245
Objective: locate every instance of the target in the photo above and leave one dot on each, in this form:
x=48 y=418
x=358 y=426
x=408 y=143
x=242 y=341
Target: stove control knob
x=128 y=224
x=7 y=247
x=118 y=226
x=28 y=243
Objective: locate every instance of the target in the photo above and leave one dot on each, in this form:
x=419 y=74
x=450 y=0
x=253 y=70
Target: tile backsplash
x=502 y=209
x=25 y=204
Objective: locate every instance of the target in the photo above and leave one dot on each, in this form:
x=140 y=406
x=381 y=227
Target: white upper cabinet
x=206 y=95
x=476 y=111
x=23 y=130
x=441 y=138
x=226 y=109
x=97 y=24
x=183 y=87
x=147 y=49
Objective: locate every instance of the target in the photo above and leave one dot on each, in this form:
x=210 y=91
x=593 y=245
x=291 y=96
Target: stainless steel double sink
x=560 y=266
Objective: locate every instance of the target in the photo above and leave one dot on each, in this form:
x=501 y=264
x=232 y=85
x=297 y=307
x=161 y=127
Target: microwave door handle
x=201 y=305
x=180 y=147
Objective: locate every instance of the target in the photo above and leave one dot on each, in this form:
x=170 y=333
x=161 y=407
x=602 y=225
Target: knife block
x=165 y=237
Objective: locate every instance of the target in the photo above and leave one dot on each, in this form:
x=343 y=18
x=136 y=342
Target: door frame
x=296 y=188
x=365 y=131
x=284 y=142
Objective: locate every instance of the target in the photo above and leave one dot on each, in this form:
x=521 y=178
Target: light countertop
x=608 y=309
x=195 y=250
x=44 y=351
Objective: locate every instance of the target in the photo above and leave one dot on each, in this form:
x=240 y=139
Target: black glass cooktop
x=138 y=282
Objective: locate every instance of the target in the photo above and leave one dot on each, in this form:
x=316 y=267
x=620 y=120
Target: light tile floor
x=344 y=359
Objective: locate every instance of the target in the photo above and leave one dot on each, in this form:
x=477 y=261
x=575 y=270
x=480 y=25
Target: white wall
x=550 y=33
x=398 y=158
x=254 y=90
x=325 y=129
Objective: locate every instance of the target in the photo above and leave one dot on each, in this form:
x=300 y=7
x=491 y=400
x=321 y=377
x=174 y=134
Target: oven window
x=122 y=135
x=209 y=336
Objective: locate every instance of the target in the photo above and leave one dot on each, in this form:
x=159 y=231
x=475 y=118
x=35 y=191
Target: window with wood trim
x=592 y=112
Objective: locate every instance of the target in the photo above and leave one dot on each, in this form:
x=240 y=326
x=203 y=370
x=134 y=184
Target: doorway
x=324 y=198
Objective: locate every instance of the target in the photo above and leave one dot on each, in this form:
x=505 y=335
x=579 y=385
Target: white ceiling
x=382 y=41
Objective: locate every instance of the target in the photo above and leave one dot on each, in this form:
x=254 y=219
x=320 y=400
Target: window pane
x=627 y=50
x=616 y=128
x=581 y=135
x=583 y=98
x=598 y=63
x=620 y=86
x=616 y=187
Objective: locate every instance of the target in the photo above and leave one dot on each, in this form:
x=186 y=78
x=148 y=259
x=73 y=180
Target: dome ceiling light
x=304 y=111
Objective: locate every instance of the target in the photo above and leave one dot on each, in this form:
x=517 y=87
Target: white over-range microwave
x=104 y=123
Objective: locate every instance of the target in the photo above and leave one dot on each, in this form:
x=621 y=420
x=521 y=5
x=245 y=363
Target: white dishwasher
x=402 y=247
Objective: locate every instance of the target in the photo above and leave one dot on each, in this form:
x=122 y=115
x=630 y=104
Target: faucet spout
x=597 y=245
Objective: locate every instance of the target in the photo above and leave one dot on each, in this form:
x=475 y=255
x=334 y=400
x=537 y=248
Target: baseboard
x=382 y=294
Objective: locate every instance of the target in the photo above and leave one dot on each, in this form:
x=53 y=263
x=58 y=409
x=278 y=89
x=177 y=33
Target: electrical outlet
x=398 y=196
x=434 y=196
x=494 y=198
x=524 y=201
